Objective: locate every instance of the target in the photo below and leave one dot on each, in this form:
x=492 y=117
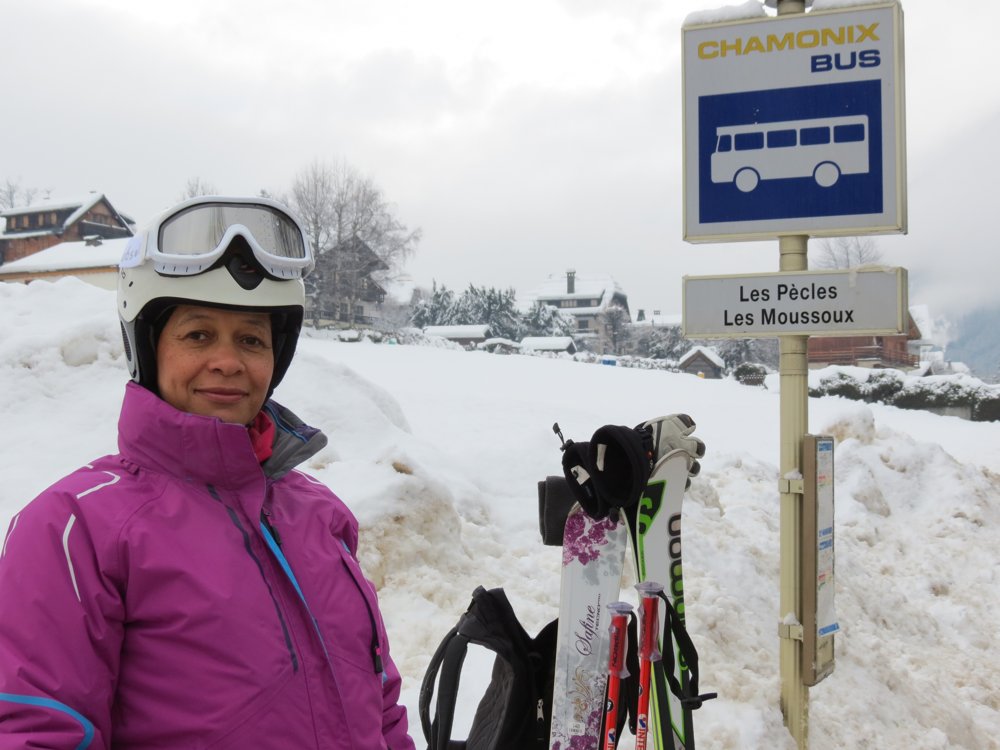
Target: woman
x=195 y=590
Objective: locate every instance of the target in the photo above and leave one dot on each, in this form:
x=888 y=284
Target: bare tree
x=349 y=220
x=197 y=186
x=616 y=328
x=847 y=252
x=13 y=194
x=337 y=203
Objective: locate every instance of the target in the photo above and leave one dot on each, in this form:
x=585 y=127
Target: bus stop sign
x=794 y=125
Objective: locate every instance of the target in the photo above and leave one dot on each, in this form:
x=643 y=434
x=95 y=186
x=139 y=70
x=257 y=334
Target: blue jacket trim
x=272 y=543
x=275 y=547
x=30 y=700
x=282 y=560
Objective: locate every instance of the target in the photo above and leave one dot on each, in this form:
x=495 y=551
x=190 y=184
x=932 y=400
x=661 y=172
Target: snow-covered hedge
x=892 y=387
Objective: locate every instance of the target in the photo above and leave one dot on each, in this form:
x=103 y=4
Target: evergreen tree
x=663 y=343
x=547 y=320
x=494 y=307
x=737 y=351
x=436 y=310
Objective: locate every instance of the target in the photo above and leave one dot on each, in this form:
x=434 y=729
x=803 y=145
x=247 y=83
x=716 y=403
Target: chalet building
x=342 y=289
x=31 y=229
x=94 y=261
x=868 y=351
x=703 y=362
x=583 y=297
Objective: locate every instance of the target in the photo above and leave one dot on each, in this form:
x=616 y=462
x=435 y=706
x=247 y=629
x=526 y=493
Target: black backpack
x=515 y=713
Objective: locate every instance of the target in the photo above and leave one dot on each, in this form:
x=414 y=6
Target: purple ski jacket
x=180 y=595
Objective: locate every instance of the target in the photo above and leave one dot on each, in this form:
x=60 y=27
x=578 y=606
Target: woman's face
x=217 y=363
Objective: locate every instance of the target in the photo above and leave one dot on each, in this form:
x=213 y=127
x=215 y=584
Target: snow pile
x=438 y=452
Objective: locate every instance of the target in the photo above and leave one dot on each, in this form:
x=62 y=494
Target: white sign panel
x=870 y=300
x=794 y=125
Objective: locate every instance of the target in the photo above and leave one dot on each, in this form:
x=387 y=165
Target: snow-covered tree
x=547 y=320
x=616 y=329
x=494 y=307
x=437 y=309
x=662 y=343
x=759 y=351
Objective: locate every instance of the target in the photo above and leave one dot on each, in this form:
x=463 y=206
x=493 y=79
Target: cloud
x=524 y=138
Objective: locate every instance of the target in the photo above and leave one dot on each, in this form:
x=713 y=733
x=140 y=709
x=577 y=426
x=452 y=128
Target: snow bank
x=438 y=452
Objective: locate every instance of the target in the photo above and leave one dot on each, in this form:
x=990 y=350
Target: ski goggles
x=191 y=238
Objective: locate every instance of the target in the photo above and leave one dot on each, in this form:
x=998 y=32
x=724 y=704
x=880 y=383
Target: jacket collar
x=153 y=434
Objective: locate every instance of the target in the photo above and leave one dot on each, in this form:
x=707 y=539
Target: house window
x=24 y=221
x=568 y=303
x=53 y=218
x=582 y=325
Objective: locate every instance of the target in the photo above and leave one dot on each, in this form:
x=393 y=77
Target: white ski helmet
x=217 y=251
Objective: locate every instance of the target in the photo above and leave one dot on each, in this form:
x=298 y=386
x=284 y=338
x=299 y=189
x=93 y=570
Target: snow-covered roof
x=932 y=332
x=710 y=354
x=547 y=343
x=48 y=204
x=79 y=206
x=662 y=321
x=68 y=256
x=458 y=332
x=498 y=341
x=600 y=286
x=940 y=366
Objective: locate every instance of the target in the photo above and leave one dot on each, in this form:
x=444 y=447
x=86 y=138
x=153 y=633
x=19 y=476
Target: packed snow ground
x=438 y=452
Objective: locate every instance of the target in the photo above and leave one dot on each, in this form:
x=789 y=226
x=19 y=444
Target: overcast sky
x=523 y=137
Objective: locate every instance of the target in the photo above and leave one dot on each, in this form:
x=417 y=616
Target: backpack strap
x=689 y=698
x=515 y=711
x=447 y=661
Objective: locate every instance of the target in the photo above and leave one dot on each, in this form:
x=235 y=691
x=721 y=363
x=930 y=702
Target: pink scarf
x=262 y=436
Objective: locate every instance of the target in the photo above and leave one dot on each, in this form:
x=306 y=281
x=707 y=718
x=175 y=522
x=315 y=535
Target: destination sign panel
x=869 y=300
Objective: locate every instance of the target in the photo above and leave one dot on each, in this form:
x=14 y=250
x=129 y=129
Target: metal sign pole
x=793 y=375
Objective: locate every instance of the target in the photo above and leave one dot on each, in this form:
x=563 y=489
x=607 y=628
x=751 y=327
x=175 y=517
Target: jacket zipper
x=249 y=550
x=375 y=644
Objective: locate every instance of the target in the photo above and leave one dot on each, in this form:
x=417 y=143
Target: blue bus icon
x=789 y=153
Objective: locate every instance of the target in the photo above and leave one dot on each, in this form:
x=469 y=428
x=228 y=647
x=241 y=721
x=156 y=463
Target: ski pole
x=649 y=634
x=620 y=612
